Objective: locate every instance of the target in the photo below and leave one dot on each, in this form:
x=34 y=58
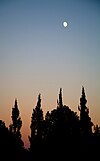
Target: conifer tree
x=85 y=120
x=59 y=102
x=16 y=125
x=36 y=124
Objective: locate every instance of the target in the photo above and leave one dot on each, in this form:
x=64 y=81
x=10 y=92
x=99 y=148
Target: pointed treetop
x=60 y=90
x=15 y=109
x=83 y=97
x=83 y=90
x=39 y=101
x=15 y=101
x=39 y=95
x=59 y=102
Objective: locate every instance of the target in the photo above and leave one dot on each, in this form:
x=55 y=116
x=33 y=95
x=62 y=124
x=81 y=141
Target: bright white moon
x=65 y=24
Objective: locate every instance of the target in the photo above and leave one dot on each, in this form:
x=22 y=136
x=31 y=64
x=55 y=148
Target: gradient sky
x=39 y=55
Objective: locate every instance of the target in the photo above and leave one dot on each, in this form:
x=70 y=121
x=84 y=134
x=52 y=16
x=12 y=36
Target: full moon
x=65 y=24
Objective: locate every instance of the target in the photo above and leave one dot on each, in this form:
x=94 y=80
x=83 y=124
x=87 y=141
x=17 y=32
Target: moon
x=65 y=24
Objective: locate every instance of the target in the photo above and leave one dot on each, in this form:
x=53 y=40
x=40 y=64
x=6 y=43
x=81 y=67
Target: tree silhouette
x=85 y=128
x=61 y=134
x=85 y=120
x=62 y=129
x=16 y=125
x=15 y=131
x=7 y=143
x=60 y=102
x=36 y=127
x=4 y=134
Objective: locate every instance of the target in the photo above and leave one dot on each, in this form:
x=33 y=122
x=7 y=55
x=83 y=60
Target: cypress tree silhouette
x=62 y=130
x=62 y=134
x=16 y=125
x=36 y=129
x=15 y=131
x=86 y=148
x=60 y=102
x=85 y=121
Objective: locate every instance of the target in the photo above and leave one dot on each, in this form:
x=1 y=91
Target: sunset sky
x=39 y=55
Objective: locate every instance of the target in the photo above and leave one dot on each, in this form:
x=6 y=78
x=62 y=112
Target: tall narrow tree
x=15 y=127
x=85 y=120
x=60 y=102
x=36 y=125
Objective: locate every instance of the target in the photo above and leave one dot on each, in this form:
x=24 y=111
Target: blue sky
x=39 y=55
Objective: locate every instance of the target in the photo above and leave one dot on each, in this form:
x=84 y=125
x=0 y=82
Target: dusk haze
x=40 y=54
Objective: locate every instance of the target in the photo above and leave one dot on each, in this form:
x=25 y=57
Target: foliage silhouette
x=85 y=120
x=36 y=128
x=60 y=134
x=16 y=125
x=14 y=130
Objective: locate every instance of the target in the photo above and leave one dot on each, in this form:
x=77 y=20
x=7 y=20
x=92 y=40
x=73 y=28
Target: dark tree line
x=61 y=133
